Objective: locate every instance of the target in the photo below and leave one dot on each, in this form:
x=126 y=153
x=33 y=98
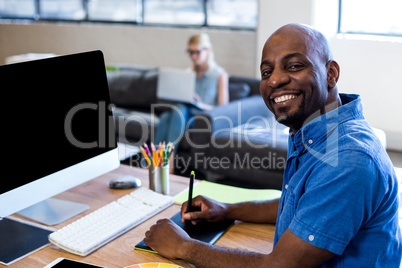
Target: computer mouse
x=125 y=182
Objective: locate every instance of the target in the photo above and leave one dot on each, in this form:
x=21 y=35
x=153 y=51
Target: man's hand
x=168 y=239
x=204 y=208
x=290 y=251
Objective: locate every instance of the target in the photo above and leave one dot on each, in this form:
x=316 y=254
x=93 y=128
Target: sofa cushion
x=238 y=91
x=253 y=83
x=133 y=88
x=134 y=127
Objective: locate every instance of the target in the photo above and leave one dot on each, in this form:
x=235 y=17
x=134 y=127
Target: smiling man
x=298 y=75
x=339 y=203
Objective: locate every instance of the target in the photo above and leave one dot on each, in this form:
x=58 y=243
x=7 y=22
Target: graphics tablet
x=208 y=232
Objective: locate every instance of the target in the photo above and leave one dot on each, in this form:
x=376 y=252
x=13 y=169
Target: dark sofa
x=239 y=143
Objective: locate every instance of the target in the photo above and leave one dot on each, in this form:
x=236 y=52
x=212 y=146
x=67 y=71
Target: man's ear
x=333 y=72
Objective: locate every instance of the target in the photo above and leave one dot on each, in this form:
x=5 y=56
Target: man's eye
x=265 y=74
x=295 y=67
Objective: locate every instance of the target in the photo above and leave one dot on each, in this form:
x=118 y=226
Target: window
x=62 y=9
x=17 y=9
x=179 y=12
x=240 y=14
x=371 y=17
x=116 y=10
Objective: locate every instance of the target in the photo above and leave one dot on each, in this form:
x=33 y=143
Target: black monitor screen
x=56 y=113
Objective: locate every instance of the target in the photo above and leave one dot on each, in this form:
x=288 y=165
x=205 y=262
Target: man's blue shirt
x=340 y=191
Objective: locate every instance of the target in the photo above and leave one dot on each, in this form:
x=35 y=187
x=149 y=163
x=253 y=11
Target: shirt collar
x=318 y=129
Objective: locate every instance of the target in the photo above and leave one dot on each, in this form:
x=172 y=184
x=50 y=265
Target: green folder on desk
x=229 y=194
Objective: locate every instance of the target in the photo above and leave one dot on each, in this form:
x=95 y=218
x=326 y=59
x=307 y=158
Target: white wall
x=370 y=68
x=153 y=46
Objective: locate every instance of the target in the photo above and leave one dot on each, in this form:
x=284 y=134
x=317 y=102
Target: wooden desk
x=120 y=252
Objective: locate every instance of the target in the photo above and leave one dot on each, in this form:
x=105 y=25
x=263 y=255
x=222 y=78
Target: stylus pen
x=190 y=192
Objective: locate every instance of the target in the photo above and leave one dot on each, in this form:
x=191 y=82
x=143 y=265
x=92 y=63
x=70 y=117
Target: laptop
x=176 y=85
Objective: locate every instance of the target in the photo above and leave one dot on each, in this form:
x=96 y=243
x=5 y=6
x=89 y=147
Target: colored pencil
x=145 y=155
x=157 y=157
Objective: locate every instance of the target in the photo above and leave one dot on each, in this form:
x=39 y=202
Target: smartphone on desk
x=67 y=263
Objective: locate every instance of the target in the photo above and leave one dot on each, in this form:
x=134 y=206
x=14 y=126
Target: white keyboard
x=94 y=230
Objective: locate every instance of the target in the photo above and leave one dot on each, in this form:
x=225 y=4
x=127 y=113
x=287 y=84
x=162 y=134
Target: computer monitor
x=57 y=132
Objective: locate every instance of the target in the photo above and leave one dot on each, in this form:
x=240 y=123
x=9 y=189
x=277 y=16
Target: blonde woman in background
x=212 y=80
x=211 y=90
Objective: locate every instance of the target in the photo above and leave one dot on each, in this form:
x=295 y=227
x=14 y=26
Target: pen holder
x=159 y=179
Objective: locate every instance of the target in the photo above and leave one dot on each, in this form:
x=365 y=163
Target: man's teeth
x=284 y=98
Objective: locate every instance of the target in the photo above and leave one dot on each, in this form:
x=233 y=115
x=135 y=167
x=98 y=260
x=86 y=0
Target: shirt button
x=311 y=238
x=310 y=141
x=286 y=186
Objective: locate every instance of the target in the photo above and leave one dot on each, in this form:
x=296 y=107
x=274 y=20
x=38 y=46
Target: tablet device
x=20 y=238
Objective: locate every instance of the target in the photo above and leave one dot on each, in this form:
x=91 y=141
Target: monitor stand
x=53 y=211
